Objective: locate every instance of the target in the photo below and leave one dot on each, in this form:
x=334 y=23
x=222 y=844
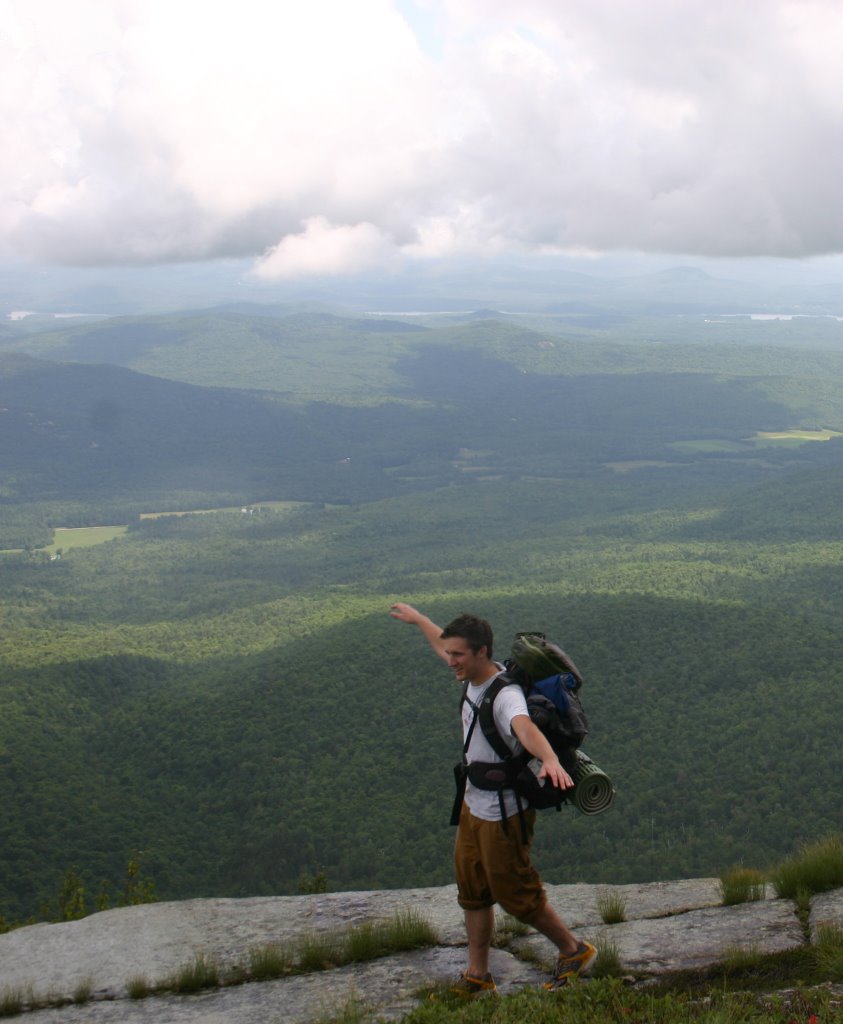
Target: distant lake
x=784 y=316
x=22 y=314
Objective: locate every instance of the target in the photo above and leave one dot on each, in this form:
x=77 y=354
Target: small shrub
x=201 y=973
x=312 y=884
x=742 y=885
x=137 y=889
x=72 y=901
x=138 y=987
x=270 y=961
x=817 y=868
x=611 y=906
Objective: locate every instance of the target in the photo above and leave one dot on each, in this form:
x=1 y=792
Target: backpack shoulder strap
x=461 y=769
x=463 y=700
x=486 y=717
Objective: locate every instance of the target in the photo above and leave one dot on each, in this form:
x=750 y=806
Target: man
x=492 y=862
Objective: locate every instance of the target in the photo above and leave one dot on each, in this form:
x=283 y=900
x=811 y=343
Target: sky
x=332 y=137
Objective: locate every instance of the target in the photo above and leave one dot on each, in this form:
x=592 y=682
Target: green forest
x=224 y=695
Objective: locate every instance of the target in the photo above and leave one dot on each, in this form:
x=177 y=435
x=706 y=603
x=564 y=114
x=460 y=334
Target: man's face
x=464 y=662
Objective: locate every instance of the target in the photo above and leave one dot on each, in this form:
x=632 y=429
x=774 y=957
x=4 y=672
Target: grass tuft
x=803 y=901
x=138 y=987
x=271 y=961
x=202 y=972
x=608 y=961
x=82 y=992
x=830 y=933
x=742 y=885
x=408 y=930
x=611 y=906
x=11 y=1002
x=828 y=949
x=313 y=952
x=818 y=867
x=317 y=951
x=368 y=941
x=741 y=958
x=354 y=1012
x=508 y=927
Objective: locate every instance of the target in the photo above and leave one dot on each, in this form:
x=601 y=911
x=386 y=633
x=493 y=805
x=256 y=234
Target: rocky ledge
x=668 y=926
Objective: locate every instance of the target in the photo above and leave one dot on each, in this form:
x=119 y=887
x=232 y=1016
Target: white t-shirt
x=509 y=702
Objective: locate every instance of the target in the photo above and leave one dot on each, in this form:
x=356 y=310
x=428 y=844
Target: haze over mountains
x=632 y=283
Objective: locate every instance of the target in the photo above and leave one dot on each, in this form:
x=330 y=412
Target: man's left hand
x=553 y=770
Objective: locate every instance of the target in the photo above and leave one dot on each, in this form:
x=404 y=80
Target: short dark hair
x=476 y=632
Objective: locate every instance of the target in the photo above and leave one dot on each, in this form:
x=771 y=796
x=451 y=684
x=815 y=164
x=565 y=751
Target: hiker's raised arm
x=432 y=632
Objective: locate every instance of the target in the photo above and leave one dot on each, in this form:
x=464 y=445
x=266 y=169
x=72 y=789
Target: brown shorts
x=493 y=866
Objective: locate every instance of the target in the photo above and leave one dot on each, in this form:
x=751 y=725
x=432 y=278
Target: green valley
x=225 y=693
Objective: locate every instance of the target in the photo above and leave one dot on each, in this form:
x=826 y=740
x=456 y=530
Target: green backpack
x=551 y=683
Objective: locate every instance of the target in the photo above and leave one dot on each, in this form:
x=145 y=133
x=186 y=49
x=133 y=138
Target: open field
x=794 y=436
x=78 y=537
x=65 y=538
x=760 y=438
x=709 y=445
x=83 y=537
x=275 y=506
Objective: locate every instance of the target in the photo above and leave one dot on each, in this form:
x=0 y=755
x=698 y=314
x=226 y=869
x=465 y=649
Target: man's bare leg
x=551 y=925
x=479 y=925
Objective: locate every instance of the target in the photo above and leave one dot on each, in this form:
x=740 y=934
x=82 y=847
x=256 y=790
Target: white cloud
x=324 y=248
x=324 y=137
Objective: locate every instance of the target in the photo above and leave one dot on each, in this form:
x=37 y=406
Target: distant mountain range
x=628 y=283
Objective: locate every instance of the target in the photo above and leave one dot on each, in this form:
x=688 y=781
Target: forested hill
x=225 y=694
x=100 y=434
x=78 y=432
x=320 y=355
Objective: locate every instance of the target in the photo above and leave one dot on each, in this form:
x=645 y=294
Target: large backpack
x=551 y=684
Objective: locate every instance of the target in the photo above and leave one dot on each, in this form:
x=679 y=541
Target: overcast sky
x=332 y=136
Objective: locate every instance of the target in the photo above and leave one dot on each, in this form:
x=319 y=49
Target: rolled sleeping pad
x=593 y=790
